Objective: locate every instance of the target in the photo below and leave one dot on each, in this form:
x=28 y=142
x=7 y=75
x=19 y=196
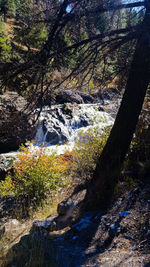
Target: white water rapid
x=60 y=125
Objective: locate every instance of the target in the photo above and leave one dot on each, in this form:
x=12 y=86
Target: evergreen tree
x=29 y=31
x=7 y=7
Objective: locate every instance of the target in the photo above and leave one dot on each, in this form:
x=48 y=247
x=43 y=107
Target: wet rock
x=67 y=109
x=54 y=137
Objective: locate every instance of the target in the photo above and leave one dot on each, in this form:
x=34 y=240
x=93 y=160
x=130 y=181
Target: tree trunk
x=111 y=160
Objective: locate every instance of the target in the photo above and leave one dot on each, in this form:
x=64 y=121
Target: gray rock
x=64 y=206
x=65 y=213
x=47 y=225
x=68 y=96
x=11 y=229
x=15 y=122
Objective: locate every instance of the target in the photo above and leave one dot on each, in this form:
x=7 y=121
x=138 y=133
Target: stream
x=61 y=125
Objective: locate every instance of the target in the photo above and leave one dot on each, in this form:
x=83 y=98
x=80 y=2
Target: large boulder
x=68 y=96
x=15 y=122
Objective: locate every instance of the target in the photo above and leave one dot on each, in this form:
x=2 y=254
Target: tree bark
x=111 y=160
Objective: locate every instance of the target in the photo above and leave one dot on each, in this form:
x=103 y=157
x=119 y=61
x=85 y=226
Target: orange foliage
x=65 y=160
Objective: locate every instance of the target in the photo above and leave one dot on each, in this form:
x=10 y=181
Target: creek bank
x=118 y=237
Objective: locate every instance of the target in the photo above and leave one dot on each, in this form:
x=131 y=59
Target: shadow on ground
x=108 y=239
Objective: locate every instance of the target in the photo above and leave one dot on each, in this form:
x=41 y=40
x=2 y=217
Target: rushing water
x=60 y=125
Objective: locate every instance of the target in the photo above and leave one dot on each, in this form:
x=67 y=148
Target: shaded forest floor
x=118 y=237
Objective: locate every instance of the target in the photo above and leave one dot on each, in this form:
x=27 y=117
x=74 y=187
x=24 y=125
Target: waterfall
x=60 y=125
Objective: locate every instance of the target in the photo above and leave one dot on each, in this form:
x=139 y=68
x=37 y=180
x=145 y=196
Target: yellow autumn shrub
x=36 y=174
